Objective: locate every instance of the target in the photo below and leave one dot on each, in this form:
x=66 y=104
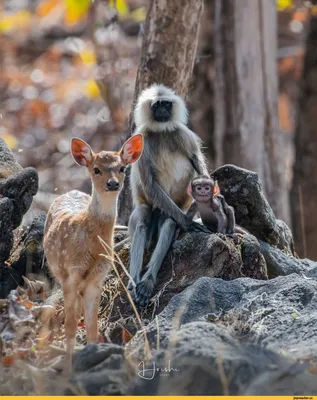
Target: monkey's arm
x=161 y=200
x=192 y=149
x=198 y=163
x=229 y=211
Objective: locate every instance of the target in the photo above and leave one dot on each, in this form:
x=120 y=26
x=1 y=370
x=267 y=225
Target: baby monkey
x=215 y=213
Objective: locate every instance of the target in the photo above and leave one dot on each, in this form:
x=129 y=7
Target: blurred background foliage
x=68 y=68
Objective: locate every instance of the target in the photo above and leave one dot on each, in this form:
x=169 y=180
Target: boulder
x=238 y=337
x=20 y=248
x=242 y=190
x=26 y=257
x=193 y=256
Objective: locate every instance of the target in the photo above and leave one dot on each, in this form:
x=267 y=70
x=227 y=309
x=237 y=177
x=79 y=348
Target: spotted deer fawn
x=74 y=222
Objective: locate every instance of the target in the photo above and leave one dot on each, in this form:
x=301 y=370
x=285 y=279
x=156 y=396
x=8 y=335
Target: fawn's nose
x=113 y=185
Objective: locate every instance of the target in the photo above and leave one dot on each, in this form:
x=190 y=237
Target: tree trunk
x=304 y=190
x=168 y=55
x=246 y=116
x=201 y=99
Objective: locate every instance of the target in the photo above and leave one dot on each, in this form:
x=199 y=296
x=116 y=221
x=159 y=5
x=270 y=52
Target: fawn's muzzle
x=113 y=185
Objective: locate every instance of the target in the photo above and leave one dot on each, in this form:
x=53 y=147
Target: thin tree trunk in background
x=246 y=115
x=168 y=55
x=201 y=99
x=304 y=190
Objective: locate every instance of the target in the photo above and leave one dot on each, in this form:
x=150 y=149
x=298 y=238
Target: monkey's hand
x=196 y=227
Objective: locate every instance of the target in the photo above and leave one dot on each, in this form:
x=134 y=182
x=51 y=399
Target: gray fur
x=171 y=158
x=215 y=213
x=138 y=225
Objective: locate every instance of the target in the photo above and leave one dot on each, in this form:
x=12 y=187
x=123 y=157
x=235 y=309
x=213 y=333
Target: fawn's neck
x=103 y=206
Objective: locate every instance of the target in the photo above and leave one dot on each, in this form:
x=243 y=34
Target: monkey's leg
x=145 y=288
x=231 y=220
x=222 y=222
x=138 y=228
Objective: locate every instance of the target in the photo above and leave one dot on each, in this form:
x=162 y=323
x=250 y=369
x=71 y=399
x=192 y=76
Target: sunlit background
x=51 y=53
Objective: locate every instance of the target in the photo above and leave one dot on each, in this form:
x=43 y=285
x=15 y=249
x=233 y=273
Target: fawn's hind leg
x=71 y=321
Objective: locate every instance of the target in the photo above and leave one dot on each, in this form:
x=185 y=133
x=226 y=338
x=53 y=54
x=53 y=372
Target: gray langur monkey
x=159 y=180
x=214 y=211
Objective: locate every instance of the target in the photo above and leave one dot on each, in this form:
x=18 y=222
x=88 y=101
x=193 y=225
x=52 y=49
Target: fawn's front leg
x=71 y=321
x=92 y=295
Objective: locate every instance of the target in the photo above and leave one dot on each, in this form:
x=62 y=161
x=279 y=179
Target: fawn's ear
x=132 y=149
x=81 y=152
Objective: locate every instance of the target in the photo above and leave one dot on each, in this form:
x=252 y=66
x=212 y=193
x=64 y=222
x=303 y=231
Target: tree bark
x=168 y=56
x=246 y=116
x=304 y=190
x=201 y=99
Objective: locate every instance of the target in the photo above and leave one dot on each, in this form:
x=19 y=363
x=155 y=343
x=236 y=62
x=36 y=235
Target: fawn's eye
x=96 y=171
x=122 y=169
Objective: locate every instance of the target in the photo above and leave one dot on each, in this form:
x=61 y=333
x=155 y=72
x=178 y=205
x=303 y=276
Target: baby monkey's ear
x=189 y=189
x=216 y=189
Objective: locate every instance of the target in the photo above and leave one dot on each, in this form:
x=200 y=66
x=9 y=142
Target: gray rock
x=242 y=190
x=20 y=189
x=282 y=263
x=257 y=330
x=101 y=370
x=27 y=257
x=6 y=231
x=194 y=256
x=17 y=188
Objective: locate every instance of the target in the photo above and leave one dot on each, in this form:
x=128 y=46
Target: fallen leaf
x=46 y=6
x=126 y=336
x=27 y=303
x=91 y=89
x=121 y=7
x=284 y=5
x=88 y=57
x=8 y=361
x=76 y=10
x=138 y=15
x=17 y=20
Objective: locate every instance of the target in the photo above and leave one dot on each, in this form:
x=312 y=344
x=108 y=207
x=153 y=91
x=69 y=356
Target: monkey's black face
x=162 y=111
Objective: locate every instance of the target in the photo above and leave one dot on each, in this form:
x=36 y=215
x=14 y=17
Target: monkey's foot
x=144 y=290
x=132 y=290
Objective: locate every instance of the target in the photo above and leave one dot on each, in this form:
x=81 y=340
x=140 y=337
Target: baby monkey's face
x=202 y=189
